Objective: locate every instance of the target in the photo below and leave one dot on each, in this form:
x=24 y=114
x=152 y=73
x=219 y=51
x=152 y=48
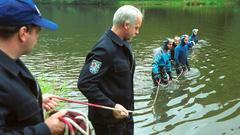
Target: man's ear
x=23 y=33
x=126 y=25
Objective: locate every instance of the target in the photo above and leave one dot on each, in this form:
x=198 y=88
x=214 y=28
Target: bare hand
x=120 y=112
x=55 y=126
x=49 y=102
x=193 y=43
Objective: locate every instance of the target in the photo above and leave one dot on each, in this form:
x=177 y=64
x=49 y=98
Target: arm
x=39 y=129
x=90 y=77
x=155 y=64
x=196 y=39
x=176 y=55
x=51 y=126
x=169 y=66
x=158 y=67
x=168 y=63
x=190 y=44
x=187 y=64
x=5 y=107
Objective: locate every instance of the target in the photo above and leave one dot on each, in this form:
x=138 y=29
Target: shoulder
x=5 y=75
x=5 y=83
x=105 y=44
x=157 y=51
x=177 y=47
x=103 y=50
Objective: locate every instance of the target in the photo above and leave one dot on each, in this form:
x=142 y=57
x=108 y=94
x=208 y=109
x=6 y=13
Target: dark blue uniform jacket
x=181 y=55
x=20 y=100
x=113 y=82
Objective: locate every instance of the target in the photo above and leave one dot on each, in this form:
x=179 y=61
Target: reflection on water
x=205 y=100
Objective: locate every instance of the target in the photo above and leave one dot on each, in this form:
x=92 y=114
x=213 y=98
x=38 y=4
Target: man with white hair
x=107 y=75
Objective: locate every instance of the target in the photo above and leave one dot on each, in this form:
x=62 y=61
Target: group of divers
x=172 y=54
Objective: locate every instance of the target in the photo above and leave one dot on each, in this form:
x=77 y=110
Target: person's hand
x=48 y=102
x=193 y=43
x=55 y=126
x=164 y=78
x=170 y=75
x=120 y=112
x=179 y=68
x=156 y=78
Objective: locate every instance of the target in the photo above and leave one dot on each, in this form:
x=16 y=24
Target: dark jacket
x=112 y=82
x=181 y=54
x=20 y=100
x=193 y=38
x=172 y=51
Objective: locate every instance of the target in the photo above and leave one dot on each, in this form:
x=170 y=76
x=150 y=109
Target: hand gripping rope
x=158 y=87
x=76 y=122
x=89 y=104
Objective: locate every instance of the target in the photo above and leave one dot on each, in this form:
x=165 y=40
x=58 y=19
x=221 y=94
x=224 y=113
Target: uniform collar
x=115 y=38
x=8 y=63
x=13 y=66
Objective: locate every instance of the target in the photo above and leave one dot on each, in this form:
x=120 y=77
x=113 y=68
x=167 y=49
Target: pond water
x=204 y=101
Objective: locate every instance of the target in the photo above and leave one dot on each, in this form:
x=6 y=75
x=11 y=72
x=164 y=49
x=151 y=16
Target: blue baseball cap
x=23 y=12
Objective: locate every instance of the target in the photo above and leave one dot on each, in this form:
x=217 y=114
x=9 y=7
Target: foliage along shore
x=148 y=3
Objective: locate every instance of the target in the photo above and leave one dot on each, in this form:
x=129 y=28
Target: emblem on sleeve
x=95 y=66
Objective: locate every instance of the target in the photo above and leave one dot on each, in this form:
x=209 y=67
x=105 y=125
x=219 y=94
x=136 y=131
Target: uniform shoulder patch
x=95 y=66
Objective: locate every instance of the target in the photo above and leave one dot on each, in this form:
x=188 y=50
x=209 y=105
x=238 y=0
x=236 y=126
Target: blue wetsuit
x=161 y=64
x=193 y=37
x=181 y=55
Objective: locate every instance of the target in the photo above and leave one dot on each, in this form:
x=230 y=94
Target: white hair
x=126 y=14
x=195 y=30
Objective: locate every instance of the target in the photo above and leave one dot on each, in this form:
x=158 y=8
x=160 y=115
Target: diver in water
x=161 y=66
x=193 y=37
x=175 y=43
x=181 y=55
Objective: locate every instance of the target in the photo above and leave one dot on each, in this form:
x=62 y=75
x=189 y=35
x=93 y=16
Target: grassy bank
x=177 y=3
x=51 y=86
x=150 y=3
x=79 y=2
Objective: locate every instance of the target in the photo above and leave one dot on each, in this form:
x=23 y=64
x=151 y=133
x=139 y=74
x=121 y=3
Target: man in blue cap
x=21 y=100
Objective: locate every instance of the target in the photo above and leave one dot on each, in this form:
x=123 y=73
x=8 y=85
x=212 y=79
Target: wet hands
x=169 y=76
x=48 y=102
x=192 y=43
x=120 y=112
x=156 y=77
x=164 y=78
